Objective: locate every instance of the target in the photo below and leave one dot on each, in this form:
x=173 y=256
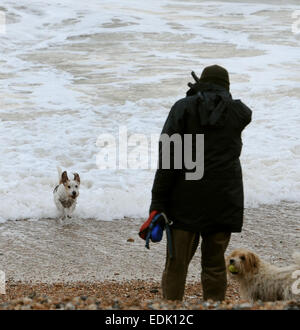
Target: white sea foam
x=71 y=70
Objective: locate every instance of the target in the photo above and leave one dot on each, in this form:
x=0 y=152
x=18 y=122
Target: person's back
x=223 y=136
x=214 y=204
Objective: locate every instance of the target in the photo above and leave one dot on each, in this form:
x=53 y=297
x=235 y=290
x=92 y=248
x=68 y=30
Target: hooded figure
x=213 y=204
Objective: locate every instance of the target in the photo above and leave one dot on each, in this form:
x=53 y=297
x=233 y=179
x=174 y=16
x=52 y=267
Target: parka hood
x=212 y=100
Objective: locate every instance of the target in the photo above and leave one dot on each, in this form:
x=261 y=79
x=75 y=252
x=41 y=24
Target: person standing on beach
x=211 y=207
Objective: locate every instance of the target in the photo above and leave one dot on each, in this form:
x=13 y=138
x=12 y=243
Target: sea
x=74 y=71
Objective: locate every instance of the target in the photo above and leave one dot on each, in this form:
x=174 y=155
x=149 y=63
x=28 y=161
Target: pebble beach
x=129 y=295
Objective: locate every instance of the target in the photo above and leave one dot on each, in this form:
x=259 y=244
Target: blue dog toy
x=156 y=230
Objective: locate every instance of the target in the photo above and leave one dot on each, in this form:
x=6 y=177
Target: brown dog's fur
x=260 y=280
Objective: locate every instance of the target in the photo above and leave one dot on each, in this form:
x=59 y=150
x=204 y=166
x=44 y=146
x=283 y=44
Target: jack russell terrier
x=65 y=193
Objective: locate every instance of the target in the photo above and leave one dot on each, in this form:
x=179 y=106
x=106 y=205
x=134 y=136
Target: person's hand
x=145 y=226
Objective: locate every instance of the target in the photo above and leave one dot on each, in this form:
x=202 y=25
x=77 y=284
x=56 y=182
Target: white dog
x=65 y=193
x=260 y=280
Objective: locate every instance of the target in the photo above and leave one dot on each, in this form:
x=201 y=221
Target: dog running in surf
x=66 y=193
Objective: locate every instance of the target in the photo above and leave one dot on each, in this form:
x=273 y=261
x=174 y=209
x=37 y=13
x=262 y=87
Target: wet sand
x=49 y=251
x=89 y=264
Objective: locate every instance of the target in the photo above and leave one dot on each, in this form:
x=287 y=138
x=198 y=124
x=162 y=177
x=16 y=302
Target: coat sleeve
x=164 y=178
x=245 y=115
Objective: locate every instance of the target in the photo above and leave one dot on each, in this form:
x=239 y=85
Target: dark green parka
x=216 y=201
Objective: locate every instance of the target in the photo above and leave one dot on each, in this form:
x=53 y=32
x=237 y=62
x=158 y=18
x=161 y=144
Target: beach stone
x=26 y=301
x=245 y=306
x=292 y=307
x=156 y=305
x=154 y=291
x=69 y=306
x=38 y=306
x=76 y=300
x=116 y=304
x=25 y=307
x=32 y=295
x=90 y=300
x=206 y=304
x=92 y=307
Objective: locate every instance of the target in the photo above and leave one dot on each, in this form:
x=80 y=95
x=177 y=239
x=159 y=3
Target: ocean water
x=72 y=70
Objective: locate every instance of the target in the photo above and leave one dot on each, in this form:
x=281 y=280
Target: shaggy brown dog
x=260 y=280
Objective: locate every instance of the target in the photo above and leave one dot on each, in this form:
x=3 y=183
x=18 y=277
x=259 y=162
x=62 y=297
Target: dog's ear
x=64 y=177
x=253 y=261
x=76 y=177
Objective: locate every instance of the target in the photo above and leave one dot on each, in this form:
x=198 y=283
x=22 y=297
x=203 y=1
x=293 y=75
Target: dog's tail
x=296 y=257
x=59 y=171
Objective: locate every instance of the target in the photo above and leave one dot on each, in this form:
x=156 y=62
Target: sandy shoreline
x=104 y=260
x=89 y=250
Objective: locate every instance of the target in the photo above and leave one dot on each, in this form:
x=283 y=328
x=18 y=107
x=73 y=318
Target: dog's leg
x=68 y=213
x=63 y=214
x=71 y=210
x=59 y=219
